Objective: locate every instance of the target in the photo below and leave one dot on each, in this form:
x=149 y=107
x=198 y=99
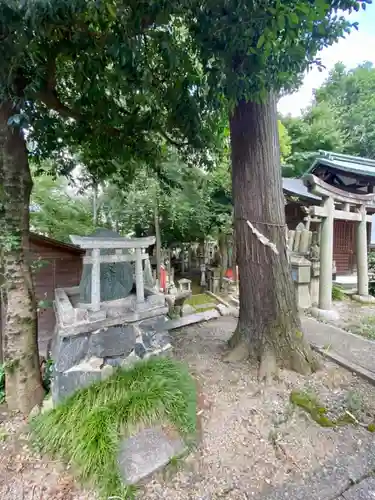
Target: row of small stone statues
x=303 y=241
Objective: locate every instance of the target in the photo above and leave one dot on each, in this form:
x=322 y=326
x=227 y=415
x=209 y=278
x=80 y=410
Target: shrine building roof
x=354 y=165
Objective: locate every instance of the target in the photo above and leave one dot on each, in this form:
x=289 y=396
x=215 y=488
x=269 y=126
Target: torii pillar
x=328 y=213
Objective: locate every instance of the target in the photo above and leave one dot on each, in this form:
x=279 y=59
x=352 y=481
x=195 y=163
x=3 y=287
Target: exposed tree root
x=240 y=352
x=235 y=339
x=267 y=367
x=294 y=355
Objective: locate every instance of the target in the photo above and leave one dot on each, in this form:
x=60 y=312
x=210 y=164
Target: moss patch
x=310 y=404
x=200 y=299
x=86 y=429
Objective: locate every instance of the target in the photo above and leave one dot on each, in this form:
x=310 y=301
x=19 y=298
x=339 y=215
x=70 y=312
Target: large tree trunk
x=269 y=327
x=23 y=380
x=157 y=241
x=223 y=249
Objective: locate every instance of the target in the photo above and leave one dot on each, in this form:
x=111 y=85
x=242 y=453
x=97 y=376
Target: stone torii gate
x=94 y=244
x=350 y=207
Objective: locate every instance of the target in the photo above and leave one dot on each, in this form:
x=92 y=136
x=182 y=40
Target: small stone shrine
x=112 y=318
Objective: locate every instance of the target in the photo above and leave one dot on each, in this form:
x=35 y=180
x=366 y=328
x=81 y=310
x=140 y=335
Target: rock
x=188 y=309
x=140 y=350
x=112 y=341
x=153 y=324
x=93 y=363
x=68 y=351
x=163 y=351
x=226 y=311
x=145 y=453
x=129 y=361
x=155 y=340
x=79 y=376
x=115 y=361
x=107 y=371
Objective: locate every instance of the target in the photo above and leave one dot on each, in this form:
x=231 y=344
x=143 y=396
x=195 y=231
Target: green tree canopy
x=58 y=212
x=341 y=118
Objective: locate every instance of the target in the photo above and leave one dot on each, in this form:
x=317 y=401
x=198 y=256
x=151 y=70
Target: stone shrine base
x=329 y=315
x=92 y=356
x=89 y=345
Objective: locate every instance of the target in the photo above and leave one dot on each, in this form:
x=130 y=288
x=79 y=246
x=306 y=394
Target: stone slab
x=365 y=490
x=353 y=348
x=146 y=452
x=68 y=351
x=345 y=363
x=153 y=323
x=129 y=317
x=227 y=311
x=332 y=478
x=112 y=341
x=219 y=299
x=173 y=324
x=65 y=384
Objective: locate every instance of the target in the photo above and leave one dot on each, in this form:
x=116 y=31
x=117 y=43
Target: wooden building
x=55 y=264
x=349 y=173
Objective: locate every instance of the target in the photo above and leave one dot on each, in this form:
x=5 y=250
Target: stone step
x=173 y=324
x=147 y=452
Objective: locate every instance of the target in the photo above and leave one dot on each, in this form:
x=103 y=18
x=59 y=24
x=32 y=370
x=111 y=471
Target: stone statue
x=314 y=254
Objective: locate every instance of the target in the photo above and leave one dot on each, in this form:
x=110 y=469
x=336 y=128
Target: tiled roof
x=295 y=187
x=345 y=163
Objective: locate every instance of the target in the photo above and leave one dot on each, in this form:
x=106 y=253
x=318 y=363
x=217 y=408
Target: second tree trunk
x=269 y=328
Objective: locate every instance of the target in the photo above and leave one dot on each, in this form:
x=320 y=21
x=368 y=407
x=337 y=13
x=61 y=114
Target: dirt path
x=253 y=440
x=25 y=475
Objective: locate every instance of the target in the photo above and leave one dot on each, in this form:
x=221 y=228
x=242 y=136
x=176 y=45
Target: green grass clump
x=337 y=293
x=85 y=430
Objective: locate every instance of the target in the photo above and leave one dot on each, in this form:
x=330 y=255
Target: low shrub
x=85 y=430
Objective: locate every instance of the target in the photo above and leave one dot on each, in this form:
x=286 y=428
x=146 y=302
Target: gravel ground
x=25 y=475
x=253 y=439
x=356 y=317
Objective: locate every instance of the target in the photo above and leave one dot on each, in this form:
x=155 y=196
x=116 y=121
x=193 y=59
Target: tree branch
x=172 y=141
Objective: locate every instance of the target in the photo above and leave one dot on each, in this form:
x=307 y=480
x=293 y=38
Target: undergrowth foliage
x=85 y=430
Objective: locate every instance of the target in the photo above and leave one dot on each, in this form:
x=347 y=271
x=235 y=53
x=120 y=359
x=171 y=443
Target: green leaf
x=111 y=10
x=261 y=41
x=293 y=18
x=281 y=22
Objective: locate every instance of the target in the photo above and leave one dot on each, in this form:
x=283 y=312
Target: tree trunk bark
x=269 y=327
x=23 y=379
x=223 y=249
x=157 y=241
